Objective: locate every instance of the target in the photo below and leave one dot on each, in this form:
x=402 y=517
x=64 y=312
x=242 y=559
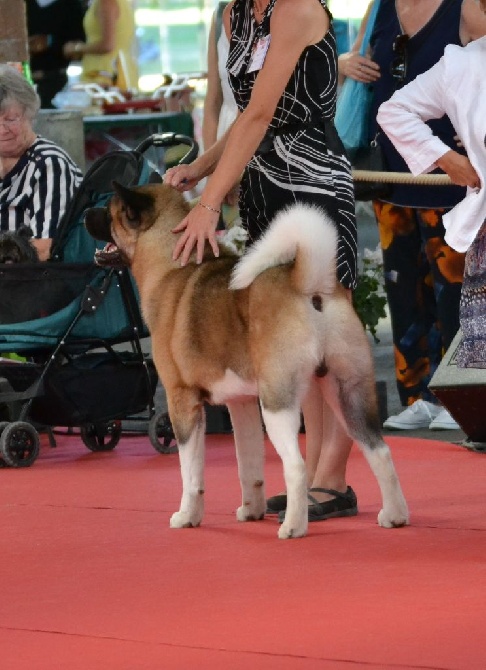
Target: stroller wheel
x=101 y=436
x=3 y=424
x=161 y=434
x=19 y=444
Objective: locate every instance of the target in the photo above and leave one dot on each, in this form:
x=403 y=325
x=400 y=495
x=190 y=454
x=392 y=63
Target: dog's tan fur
x=288 y=320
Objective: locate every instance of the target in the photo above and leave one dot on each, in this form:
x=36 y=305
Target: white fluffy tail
x=300 y=233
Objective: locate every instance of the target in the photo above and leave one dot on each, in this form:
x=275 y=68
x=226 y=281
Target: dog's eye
x=131 y=215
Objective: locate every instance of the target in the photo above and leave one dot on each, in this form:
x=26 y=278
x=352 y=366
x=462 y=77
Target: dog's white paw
x=253 y=505
x=289 y=530
x=394 y=518
x=250 y=512
x=184 y=520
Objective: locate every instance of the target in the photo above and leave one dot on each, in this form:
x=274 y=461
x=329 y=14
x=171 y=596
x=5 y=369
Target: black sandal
x=277 y=504
x=344 y=504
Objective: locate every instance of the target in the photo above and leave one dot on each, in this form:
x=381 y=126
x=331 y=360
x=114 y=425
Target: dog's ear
x=25 y=232
x=135 y=201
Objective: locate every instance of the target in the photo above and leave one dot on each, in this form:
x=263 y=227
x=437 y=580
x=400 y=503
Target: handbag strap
x=370 y=24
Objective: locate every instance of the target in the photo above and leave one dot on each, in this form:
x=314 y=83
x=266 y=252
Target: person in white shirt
x=455 y=86
x=422 y=273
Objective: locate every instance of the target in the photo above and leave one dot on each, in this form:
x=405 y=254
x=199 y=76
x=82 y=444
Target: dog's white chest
x=231 y=386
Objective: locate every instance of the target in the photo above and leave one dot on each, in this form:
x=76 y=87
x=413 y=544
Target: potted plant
x=368 y=297
x=369 y=302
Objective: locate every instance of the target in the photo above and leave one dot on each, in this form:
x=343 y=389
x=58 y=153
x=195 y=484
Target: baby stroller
x=68 y=321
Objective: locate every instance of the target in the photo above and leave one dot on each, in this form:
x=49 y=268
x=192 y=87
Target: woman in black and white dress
x=305 y=161
x=282 y=66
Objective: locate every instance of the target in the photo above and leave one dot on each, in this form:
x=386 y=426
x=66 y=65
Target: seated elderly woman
x=37 y=178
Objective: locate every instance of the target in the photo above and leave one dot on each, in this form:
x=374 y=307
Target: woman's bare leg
x=327 y=445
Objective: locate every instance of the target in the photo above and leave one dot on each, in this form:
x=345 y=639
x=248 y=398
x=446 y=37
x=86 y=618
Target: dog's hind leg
x=248 y=433
x=189 y=424
x=354 y=402
x=283 y=430
x=394 y=512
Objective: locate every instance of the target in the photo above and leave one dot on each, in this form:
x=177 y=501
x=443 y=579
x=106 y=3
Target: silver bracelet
x=210 y=209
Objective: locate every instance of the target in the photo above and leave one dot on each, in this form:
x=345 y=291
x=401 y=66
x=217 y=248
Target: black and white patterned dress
x=307 y=163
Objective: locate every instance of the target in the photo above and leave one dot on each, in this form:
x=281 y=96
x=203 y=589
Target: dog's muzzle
x=110 y=256
x=97 y=221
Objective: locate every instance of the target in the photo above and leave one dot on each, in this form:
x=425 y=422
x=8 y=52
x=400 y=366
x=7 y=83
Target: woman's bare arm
x=214 y=94
x=108 y=14
x=355 y=66
x=293 y=28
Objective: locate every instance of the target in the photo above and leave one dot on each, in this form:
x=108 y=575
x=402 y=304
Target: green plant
x=234 y=236
x=368 y=298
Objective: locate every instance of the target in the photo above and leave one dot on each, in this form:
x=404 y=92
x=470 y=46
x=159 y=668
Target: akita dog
x=237 y=331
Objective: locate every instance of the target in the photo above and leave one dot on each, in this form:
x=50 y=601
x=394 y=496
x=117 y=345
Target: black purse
x=371 y=159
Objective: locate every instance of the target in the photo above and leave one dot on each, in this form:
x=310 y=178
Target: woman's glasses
x=11 y=122
x=398 y=67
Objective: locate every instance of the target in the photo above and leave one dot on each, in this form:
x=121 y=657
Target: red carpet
x=92 y=578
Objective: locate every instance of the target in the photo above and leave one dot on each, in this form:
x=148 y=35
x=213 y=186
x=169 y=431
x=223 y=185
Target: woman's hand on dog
x=200 y=224
x=182 y=177
x=197 y=227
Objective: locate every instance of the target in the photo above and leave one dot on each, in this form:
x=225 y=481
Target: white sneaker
x=444 y=421
x=418 y=415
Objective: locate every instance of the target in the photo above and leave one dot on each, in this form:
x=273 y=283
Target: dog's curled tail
x=301 y=233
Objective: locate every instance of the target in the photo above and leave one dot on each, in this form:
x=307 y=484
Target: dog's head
x=129 y=213
x=16 y=247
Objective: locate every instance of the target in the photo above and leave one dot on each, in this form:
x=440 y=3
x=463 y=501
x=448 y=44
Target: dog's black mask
x=16 y=247
x=98 y=224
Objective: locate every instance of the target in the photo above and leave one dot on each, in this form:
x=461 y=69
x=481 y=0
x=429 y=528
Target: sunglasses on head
x=398 y=67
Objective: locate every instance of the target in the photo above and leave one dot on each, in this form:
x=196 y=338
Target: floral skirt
x=471 y=352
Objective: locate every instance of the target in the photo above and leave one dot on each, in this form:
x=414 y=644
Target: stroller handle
x=168 y=140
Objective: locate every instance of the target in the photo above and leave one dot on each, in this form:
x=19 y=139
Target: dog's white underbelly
x=231 y=386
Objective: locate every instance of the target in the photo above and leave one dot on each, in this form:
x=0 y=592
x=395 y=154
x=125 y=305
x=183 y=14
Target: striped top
x=38 y=189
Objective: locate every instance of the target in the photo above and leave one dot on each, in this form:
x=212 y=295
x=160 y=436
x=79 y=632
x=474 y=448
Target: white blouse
x=455 y=86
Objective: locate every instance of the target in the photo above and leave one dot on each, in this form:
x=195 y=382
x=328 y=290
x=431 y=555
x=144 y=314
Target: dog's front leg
x=248 y=433
x=190 y=439
x=283 y=429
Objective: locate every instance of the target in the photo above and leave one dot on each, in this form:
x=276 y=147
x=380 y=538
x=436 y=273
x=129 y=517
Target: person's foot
x=342 y=504
x=444 y=421
x=276 y=504
x=419 y=415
